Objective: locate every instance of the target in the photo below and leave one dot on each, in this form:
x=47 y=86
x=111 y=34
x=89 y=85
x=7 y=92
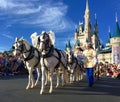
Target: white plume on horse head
x=22 y=37
x=42 y=32
x=16 y=39
x=52 y=37
x=33 y=35
x=34 y=39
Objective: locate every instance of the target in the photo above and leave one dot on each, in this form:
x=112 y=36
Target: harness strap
x=59 y=57
x=49 y=53
x=58 y=64
x=37 y=58
x=79 y=64
x=31 y=55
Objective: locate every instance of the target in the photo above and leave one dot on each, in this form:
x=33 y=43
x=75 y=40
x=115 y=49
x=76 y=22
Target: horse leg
x=38 y=70
x=29 y=79
x=32 y=79
x=71 y=78
x=58 y=75
x=46 y=77
x=80 y=75
x=51 y=83
x=77 y=74
x=43 y=76
x=63 y=77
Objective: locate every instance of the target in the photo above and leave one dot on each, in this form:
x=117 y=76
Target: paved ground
x=105 y=90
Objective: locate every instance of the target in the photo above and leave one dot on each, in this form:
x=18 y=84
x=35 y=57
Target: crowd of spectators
x=11 y=65
x=111 y=70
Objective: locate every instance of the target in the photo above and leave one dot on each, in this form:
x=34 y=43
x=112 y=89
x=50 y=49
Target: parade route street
x=105 y=90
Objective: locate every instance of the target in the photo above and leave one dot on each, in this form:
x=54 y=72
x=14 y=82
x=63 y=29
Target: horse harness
x=50 y=53
x=31 y=53
x=74 y=60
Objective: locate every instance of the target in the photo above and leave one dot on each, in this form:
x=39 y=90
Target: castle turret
x=109 y=37
x=87 y=22
x=95 y=38
x=76 y=34
x=84 y=29
x=96 y=26
x=81 y=27
x=115 y=42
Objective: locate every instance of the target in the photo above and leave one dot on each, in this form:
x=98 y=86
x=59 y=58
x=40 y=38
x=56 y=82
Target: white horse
x=52 y=59
x=34 y=37
x=31 y=58
x=75 y=67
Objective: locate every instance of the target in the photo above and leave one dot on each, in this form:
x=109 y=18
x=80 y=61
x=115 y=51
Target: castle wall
x=115 y=42
x=105 y=57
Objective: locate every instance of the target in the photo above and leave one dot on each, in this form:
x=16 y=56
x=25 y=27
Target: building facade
x=84 y=32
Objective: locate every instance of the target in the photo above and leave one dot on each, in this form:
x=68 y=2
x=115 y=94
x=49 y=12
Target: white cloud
x=4 y=4
x=10 y=4
x=7 y=36
x=28 y=10
x=48 y=15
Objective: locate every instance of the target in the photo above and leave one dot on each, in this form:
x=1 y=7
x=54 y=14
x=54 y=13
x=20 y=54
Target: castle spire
x=117 y=29
x=87 y=20
x=109 y=29
x=116 y=18
x=95 y=16
x=87 y=6
x=109 y=33
x=95 y=19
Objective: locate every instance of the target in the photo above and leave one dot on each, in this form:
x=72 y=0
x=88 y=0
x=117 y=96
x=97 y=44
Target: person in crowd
x=118 y=66
x=90 y=62
x=1 y=65
x=20 y=64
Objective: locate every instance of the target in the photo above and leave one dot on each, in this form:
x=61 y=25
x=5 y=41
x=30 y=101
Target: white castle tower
x=84 y=31
x=115 y=43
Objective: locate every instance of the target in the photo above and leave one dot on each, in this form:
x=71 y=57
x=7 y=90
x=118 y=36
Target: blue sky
x=23 y=17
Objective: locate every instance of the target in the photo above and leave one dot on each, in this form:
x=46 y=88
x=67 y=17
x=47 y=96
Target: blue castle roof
x=117 y=30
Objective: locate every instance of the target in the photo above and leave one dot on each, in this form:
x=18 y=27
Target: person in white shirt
x=90 y=62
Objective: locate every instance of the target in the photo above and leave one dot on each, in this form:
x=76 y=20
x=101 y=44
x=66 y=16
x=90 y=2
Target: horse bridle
x=48 y=46
x=72 y=56
x=22 y=49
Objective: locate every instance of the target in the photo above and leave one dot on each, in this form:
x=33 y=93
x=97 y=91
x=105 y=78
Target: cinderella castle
x=85 y=33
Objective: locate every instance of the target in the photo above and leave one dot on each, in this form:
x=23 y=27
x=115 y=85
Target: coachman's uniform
x=90 y=60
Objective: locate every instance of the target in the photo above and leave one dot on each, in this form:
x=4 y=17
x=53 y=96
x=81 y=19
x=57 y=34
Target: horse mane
x=26 y=42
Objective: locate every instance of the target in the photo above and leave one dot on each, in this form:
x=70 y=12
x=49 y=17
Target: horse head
x=70 y=55
x=46 y=41
x=20 y=46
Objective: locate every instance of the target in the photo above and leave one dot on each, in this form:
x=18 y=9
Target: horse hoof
x=45 y=84
x=32 y=87
x=56 y=86
x=27 y=88
x=41 y=92
x=50 y=91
